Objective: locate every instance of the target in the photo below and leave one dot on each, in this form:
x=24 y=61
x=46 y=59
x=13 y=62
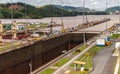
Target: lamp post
x=106 y=15
x=25 y=17
x=12 y=27
x=84 y=21
x=119 y=11
x=11 y=13
x=93 y=14
x=52 y=20
x=51 y=29
x=38 y=4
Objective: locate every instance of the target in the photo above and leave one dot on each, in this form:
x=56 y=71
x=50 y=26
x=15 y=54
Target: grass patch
x=119 y=71
x=9 y=46
x=78 y=72
x=114 y=51
x=61 y=62
x=115 y=36
x=81 y=48
x=32 y=26
x=89 y=62
x=48 y=71
x=75 y=53
x=43 y=25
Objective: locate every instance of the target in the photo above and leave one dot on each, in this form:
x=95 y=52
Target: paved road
x=110 y=66
x=101 y=59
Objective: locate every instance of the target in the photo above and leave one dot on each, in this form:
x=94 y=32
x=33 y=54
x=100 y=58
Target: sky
x=96 y=4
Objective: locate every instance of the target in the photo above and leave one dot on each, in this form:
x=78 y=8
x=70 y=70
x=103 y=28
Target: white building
x=100 y=42
x=20 y=26
x=117 y=45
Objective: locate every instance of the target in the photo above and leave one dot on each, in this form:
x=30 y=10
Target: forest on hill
x=21 y=10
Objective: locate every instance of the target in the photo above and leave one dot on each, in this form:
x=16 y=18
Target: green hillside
x=113 y=9
x=21 y=10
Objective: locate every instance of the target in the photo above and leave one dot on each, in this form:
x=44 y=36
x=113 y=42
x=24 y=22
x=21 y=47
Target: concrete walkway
x=101 y=59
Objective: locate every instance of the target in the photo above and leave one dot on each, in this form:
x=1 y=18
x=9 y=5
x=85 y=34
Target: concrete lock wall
x=16 y=61
x=78 y=37
x=38 y=54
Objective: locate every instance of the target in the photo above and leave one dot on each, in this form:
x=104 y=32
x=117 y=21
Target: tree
x=18 y=15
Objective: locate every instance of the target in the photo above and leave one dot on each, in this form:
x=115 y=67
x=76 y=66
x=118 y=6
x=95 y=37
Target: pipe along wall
x=35 y=55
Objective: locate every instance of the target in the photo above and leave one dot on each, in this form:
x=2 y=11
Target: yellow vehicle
x=108 y=43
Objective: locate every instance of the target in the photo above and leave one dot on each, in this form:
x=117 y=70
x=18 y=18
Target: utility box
x=107 y=39
x=100 y=42
x=20 y=27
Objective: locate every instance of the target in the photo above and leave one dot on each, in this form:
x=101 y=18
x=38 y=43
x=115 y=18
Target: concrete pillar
x=25 y=27
x=82 y=67
x=1 y=30
x=14 y=30
x=75 y=66
x=30 y=65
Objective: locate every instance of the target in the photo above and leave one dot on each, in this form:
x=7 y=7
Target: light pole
x=93 y=14
x=51 y=29
x=52 y=23
x=11 y=12
x=25 y=17
x=38 y=4
x=106 y=15
x=55 y=7
x=84 y=21
x=12 y=30
x=63 y=29
x=119 y=11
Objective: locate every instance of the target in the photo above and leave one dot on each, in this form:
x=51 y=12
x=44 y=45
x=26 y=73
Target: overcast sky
x=98 y=4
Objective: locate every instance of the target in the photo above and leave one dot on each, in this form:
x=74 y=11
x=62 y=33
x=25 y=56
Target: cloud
x=76 y=3
x=95 y=3
x=3 y=2
x=92 y=0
